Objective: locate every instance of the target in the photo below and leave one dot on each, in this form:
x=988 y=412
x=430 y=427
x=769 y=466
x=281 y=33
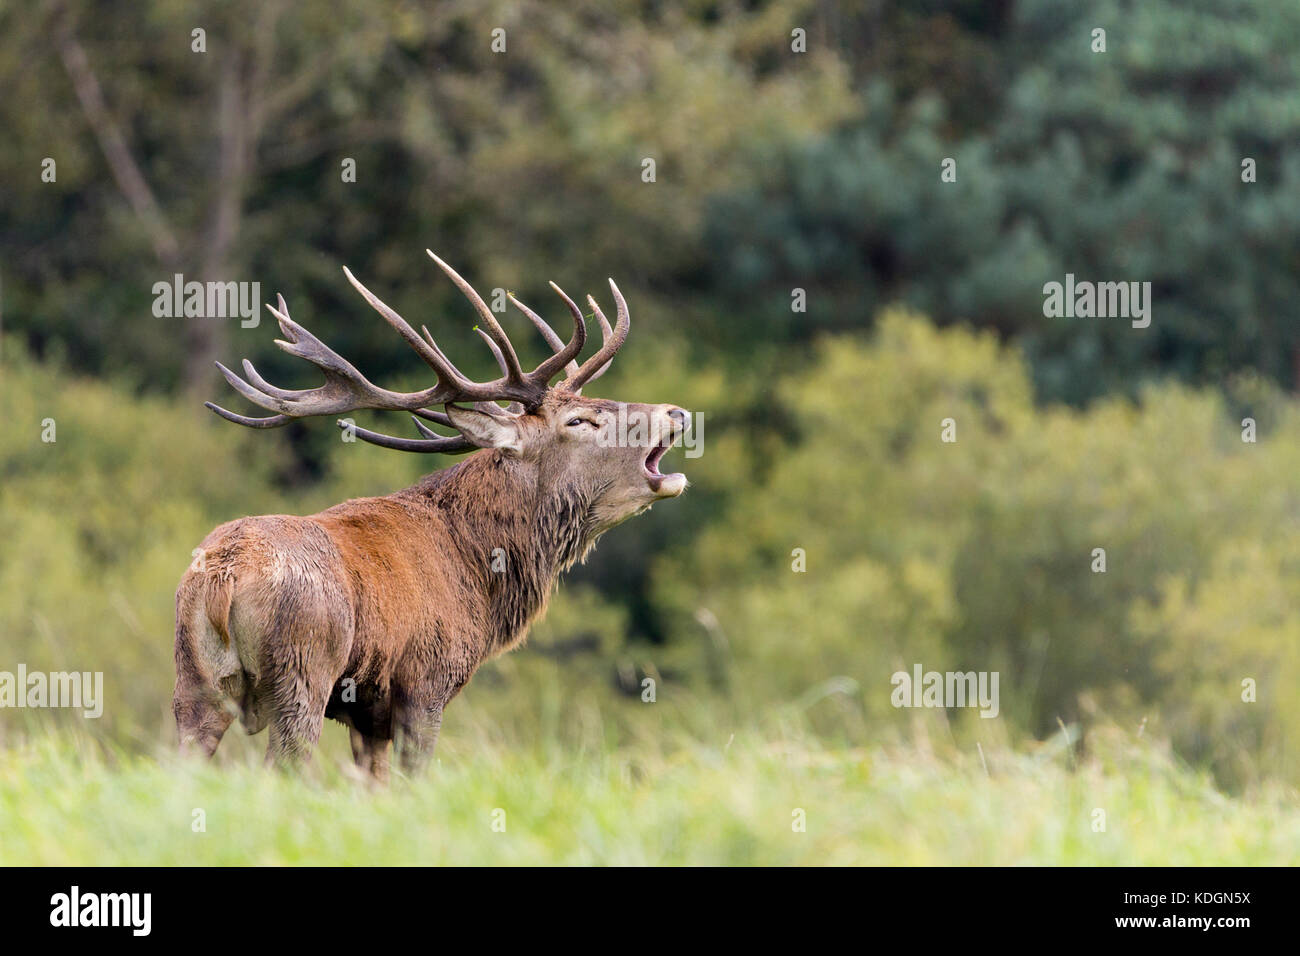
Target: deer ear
x=484 y=430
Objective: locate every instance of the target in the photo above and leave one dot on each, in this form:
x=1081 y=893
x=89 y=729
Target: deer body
x=376 y=612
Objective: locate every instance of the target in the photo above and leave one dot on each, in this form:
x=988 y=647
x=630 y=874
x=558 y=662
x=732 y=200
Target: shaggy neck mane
x=515 y=536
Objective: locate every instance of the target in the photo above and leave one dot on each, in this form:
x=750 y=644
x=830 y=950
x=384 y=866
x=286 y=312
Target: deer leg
x=202 y=718
x=299 y=713
x=420 y=726
x=379 y=759
x=360 y=748
x=292 y=741
x=304 y=648
x=207 y=674
x=371 y=755
x=420 y=718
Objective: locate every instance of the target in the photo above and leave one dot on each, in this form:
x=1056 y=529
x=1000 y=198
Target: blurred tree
x=190 y=115
x=1123 y=165
x=519 y=163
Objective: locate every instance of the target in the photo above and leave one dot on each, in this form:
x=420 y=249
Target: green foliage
x=978 y=555
x=516 y=167
x=1232 y=638
x=1124 y=166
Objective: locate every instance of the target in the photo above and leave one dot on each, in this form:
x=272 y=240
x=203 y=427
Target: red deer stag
x=377 y=611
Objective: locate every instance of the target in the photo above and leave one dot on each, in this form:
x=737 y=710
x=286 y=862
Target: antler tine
x=496 y=350
x=514 y=407
x=614 y=339
x=429 y=351
x=428 y=414
x=253 y=395
x=514 y=373
x=595 y=375
x=345 y=388
x=605 y=333
x=274 y=421
x=554 y=341
x=438 y=443
x=456 y=385
x=428 y=338
x=564 y=354
x=429 y=432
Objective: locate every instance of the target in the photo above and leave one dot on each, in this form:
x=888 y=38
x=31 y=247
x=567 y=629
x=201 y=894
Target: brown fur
x=376 y=612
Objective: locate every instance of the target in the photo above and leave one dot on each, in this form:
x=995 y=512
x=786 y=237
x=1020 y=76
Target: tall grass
x=734 y=801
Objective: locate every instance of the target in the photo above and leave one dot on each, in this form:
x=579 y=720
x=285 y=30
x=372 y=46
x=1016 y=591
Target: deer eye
x=580 y=421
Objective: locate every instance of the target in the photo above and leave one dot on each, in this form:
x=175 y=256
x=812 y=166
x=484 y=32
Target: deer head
x=604 y=455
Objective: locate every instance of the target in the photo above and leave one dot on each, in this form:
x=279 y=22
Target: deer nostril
x=678 y=414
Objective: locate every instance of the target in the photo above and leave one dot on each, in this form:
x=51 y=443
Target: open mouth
x=656 y=455
x=659 y=482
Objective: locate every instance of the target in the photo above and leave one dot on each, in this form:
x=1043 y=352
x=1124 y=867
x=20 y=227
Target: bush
x=979 y=554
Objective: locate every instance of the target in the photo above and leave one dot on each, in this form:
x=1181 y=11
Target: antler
x=612 y=339
x=346 y=389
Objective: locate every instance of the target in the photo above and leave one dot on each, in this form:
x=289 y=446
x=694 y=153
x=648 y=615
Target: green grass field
x=67 y=802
